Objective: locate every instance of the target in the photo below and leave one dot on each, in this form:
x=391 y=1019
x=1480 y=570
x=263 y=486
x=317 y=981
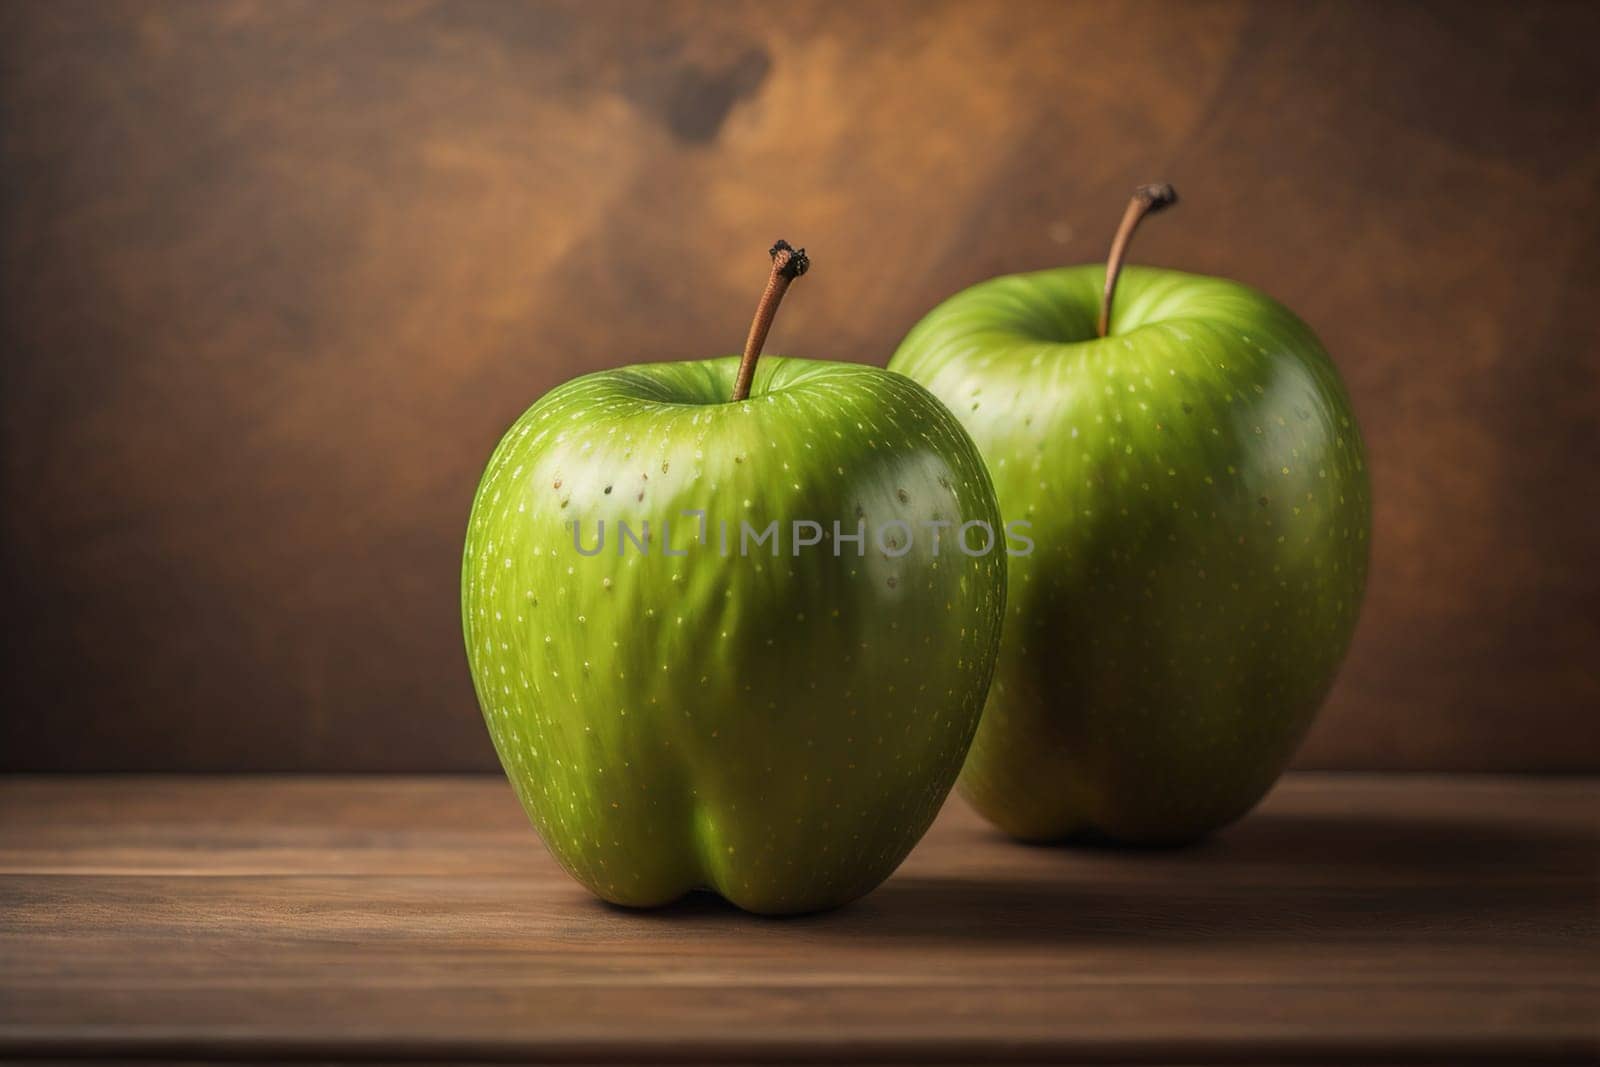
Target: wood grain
x=274 y=278
x=1355 y=918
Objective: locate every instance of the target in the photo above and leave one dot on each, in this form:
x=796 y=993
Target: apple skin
x=779 y=730
x=1199 y=498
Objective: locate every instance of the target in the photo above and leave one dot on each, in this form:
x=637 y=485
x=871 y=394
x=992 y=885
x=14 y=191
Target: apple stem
x=1147 y=200
x=788 y=263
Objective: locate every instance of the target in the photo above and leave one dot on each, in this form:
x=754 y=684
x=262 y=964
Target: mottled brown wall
x=274 y=277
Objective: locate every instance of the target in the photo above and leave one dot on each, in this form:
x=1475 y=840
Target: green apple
x=714 y=641
x=1198 y=494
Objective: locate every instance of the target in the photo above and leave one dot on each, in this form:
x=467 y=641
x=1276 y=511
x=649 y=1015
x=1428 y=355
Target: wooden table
x=1352 y=918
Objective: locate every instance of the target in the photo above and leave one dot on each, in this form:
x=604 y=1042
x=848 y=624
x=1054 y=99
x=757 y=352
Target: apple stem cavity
x=1147 y=200
x=788 y=263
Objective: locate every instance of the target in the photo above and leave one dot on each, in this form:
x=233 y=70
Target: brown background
x=274 y=277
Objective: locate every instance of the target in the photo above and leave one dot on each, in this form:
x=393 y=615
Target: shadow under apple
x=1290 y=878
